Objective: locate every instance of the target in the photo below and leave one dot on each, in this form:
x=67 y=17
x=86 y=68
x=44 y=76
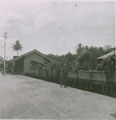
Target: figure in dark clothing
x=108 y=73
x=63 y=81
x=109 y=68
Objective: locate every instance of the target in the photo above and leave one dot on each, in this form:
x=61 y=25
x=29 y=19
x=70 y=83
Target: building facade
x=30 y=62
x=1 y=63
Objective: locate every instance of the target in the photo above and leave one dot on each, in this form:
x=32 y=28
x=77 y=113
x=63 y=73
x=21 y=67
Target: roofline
x=101 y=57
x=1 y=58
x=28 y=53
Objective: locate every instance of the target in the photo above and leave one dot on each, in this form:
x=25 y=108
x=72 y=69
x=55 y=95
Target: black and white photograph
x=57 y=59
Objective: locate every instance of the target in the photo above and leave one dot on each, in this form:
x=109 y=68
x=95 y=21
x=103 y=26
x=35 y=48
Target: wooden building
x=1 y=63
x=110 y=54
x=30 y=62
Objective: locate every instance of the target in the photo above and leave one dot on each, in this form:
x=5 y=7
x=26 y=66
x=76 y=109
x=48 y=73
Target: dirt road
x=23 y=98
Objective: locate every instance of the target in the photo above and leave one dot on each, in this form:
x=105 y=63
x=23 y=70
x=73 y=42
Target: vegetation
x=17 y=46
x=84 y=59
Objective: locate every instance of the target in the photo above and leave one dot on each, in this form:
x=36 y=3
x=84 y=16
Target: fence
x=95 y=81
x=93 y=76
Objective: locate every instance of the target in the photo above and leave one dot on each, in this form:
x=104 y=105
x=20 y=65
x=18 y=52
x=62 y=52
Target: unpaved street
x=23 y=97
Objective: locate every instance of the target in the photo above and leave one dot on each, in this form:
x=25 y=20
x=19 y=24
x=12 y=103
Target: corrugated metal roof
x=107 y=55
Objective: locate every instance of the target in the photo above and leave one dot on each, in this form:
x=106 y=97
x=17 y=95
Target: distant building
x=27 y=63
x=107 y=47
x=112 y=53
x=101 y=59
x=1 y=63
x=1 y=60
x=83 y=51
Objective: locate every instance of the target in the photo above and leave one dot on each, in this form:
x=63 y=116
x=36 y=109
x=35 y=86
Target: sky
x=56 y=27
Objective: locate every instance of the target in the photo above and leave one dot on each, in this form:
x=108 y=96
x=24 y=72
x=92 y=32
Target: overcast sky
x=56 y=26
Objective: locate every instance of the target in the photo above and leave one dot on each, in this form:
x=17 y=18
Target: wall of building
x=19 y=66
x=33 y=57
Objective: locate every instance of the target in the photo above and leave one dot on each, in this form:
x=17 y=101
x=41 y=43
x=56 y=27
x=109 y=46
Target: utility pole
x=5 y=37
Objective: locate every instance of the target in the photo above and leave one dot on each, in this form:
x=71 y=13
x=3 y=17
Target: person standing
x=109 y=69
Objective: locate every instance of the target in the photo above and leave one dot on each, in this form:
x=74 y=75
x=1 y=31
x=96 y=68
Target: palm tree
x=17 y=46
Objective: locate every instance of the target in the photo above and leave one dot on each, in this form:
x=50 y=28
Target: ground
x=23 y=98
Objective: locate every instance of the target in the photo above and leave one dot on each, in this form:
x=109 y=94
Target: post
x=90 y=80
x=77 y=79
x=5 y=36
